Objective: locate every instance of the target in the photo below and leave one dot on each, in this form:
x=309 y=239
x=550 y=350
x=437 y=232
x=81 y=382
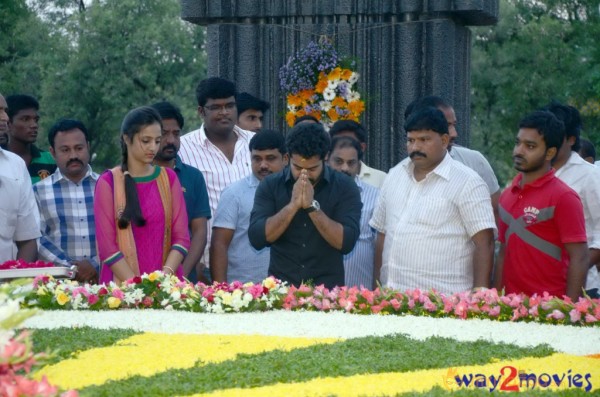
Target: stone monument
x=404 y=49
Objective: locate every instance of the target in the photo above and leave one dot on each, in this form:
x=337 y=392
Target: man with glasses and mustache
x=219 y=148
x=192 y=184
x=232 y=258
x=65 y=201
x=434 y=216
x=308 y=214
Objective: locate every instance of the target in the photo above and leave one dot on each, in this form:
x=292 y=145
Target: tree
x=96 y=60
x=537 y=52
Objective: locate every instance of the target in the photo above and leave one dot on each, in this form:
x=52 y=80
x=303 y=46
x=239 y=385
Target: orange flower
x=335 y=74
x=356 y=107
x=294 y=100
x=346 y=73
x=332 y=114
x=306 y=95
x=339 y=102
x=321 y=84
x=290 y=118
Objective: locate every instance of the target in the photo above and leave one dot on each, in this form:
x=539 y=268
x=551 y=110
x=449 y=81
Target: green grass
x=347 y=358
x=64 y=342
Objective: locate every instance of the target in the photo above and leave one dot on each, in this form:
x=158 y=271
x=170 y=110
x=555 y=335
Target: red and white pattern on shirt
x=198 y=151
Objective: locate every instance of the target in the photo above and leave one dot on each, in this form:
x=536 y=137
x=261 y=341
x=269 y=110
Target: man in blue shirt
x=66 y=202
x=192 y=183
x=345 y=156
x=231 y=255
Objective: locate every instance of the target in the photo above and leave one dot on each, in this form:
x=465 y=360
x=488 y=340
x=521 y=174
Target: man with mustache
x=232 y=258
x=219 y=148
x=309 y=214
x=65 y=202
x=192 y=184
x=345 y=156
x=542 y=226
x=251 y=112
x=23 y=124
x=434 y=216
x=19 y=226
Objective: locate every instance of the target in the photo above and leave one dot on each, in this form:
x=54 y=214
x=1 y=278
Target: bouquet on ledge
x=21 y=264
x=317 y=84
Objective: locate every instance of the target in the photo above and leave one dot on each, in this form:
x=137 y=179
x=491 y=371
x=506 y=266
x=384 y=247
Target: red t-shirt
x=536 y=221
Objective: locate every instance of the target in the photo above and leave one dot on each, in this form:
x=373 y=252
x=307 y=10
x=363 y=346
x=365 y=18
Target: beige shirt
x=371 y=176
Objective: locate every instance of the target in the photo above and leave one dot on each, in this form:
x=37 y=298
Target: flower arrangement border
x=160 y=291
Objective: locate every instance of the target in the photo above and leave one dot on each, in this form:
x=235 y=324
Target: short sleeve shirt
x=42 y=164
x=536 y=221
x=18 y=210
x=194 y=190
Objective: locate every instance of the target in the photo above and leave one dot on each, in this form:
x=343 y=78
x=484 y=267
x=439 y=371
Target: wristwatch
x=315 y=206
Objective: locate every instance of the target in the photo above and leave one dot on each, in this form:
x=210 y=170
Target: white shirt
x=429 y=224
x=371 y=176
x=198 y=151
x=478 y=163
x=19 y=219
x=584 y=178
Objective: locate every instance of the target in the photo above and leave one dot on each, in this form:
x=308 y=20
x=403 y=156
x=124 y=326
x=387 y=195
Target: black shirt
x=301 y=253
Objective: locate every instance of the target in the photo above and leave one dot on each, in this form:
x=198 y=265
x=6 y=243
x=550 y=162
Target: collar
x=252 y=180
x=203 y=139
x=443 y=169
x=57 y=176
x=547 y=177
x=178 y=164
x=365 y=170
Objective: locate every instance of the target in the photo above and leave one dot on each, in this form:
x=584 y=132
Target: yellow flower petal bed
x=150 y=353
x=565 y=367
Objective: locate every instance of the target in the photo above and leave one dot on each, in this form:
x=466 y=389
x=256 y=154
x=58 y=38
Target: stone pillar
x=405 y=49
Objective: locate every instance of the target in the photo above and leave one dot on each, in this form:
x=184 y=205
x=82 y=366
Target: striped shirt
x=198 y=151
x=428 y=226
x=67 y=218
x=358 y=264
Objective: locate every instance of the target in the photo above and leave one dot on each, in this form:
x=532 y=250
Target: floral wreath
x=317 y=84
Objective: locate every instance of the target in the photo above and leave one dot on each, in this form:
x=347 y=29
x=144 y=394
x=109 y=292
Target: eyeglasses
x=228 y=107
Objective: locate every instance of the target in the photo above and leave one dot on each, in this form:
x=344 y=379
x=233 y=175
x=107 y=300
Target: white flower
x=329 y=94
x=325 y=106
x=292 y=108
x=353 y=78
x=353 y=96
x=332 y=84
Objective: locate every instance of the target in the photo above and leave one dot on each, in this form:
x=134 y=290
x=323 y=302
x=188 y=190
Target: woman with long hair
x=141 y=219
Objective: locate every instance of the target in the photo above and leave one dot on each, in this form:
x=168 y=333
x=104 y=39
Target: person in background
x=309 y=214
x=192 y=184
x=356 y=131
x=219 y=148
x=18 y=222
x=65 y=201
x=434 y=216
x=231 y=255
x=23 y=123
x=345 y=156
x=141 y=220
x=306 y=119
x=582 y=177
x=587 y=151
x=543 y=241
x=251 y=111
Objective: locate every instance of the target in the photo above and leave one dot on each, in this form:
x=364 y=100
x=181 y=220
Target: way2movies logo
x=510 y=379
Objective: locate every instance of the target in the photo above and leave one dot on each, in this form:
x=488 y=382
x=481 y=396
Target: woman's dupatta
x=125 y=238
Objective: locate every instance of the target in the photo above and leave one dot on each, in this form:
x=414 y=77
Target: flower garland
x=21 y=264
x=160 y=291
x=317 y=85
x=17 y=358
